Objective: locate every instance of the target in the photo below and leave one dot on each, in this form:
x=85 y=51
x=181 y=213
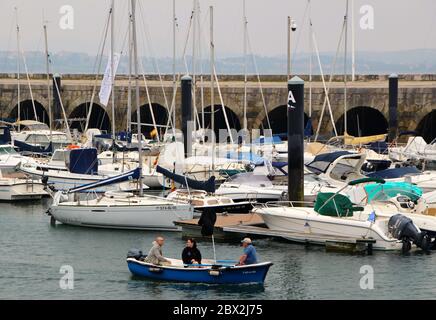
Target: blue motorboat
x=204 y=273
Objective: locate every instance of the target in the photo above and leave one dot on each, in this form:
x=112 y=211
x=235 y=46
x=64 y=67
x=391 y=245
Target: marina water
x=33 y=252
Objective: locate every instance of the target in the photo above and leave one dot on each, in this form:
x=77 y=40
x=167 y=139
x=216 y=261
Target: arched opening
x=278 y=119
x=99 y=118
x=27 y=112
x=220 y=121
x=363 y=121
x=160 y=116
x=427 y=127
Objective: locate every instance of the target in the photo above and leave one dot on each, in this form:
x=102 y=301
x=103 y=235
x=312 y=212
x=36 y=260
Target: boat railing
x=277 y=204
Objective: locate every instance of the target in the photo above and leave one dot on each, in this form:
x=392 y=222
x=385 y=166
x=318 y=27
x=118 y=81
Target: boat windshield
x=7 y=150
x=250 y=179
x=344 y=168
x=60 y=138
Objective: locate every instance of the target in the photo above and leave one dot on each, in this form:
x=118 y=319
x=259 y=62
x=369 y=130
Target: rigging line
x=297 y=40
x=330 y=79
x=98 y=62
x=315 y=44
x=258 y=79
x=150 y=105
x=153 y=55
x=186 y=43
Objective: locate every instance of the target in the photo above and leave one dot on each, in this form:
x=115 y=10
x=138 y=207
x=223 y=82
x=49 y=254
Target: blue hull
x=255 y=273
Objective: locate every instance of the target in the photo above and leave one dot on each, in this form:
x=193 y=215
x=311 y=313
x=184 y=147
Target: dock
x=234 y=227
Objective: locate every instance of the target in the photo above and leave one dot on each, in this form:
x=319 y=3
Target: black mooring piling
x=186 y=83
x=295 y=139
x=393 y=107
x=56 y=109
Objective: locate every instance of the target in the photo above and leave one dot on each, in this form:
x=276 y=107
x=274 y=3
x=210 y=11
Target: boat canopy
x=350 y=140
x=208 y=186
x=395 y=172
x=32 y=125
x=130 y=175
x=25 y=147
x=334 y=205
x=321 y=162
x=390 y=189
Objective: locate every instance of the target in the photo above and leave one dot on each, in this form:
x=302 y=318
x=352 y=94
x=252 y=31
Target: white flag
x=106 y=84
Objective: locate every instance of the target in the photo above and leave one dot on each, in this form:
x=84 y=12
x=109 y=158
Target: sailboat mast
x=345 y=68
x=194 y=61
x=353 y=48
x=18 y=71
x=174 y=64
x=129 y=92
x=288 y=60
x=47 y=63
x=113 y=69
x=212 y=87
x=244 y=24
x=138 y=109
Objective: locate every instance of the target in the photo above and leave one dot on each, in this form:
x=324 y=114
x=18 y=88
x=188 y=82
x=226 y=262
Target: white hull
x=304 y=221
x=120 y=214
x=16 y=190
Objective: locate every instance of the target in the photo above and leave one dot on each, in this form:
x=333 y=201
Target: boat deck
x=234 y=227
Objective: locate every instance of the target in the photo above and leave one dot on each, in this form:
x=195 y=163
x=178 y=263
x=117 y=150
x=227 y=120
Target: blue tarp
x=268 y=140
x=394 y=172
x=246 y=156
x=25 y=147
x=83 y=161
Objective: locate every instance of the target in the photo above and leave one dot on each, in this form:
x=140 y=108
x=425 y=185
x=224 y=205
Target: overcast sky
x=398 y=24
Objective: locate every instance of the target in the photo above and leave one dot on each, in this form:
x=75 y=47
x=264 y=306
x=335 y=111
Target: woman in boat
x=155 y=254
x=191 y=254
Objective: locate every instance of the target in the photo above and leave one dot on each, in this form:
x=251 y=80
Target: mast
x=113 y=70
x=194 y=56
x=288 y=72
x=345 y=68
x=138 y=109
x=174 y=65
x=244 y=24
x=47 y=62
x=18 y=70
x=212 y=87
x=129 y=92
x=353 y=48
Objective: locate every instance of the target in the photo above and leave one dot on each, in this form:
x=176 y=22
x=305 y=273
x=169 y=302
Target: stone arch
x=220 y=122
x=99 y=117
x=278 y=120
x=160 y=115
x=363 y=121
x=427 y=126
x=27 y=111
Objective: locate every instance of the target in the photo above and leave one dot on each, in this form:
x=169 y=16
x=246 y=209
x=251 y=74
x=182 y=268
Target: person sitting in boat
x=250 y=255
x=191 y=254
x=155 y=254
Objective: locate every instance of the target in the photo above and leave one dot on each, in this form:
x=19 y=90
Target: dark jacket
x=191 y=253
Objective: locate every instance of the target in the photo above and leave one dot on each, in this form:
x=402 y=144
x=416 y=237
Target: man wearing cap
x=250 y=255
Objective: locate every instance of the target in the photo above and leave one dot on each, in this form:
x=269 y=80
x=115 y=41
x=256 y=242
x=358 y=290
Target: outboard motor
x=403 y=228
x=135 y=253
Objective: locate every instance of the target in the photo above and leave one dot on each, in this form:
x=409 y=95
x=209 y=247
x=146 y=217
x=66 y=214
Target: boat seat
x=335 y=205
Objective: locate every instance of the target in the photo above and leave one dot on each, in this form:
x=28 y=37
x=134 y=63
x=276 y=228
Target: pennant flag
x=106 y=84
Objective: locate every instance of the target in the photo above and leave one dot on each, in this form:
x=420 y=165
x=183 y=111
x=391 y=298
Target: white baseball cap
x=246 y=240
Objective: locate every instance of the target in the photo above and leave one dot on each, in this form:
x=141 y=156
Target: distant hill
x=411 y=61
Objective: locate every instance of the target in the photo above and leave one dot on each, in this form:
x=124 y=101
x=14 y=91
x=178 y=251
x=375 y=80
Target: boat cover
x=391 y=189
x=394 y=172
x=130 y=175
x=208 y=186
x=25 y=147
x=5 y=135
x=334 y=205
x=83 y=161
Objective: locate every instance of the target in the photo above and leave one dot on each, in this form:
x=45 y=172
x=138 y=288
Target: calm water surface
x=32 y=253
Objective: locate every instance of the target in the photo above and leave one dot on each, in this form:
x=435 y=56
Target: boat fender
x=214 y=273
x=155 y=269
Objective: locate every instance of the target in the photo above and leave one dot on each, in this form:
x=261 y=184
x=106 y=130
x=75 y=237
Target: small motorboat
x=210 y=273
x=201 y=200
